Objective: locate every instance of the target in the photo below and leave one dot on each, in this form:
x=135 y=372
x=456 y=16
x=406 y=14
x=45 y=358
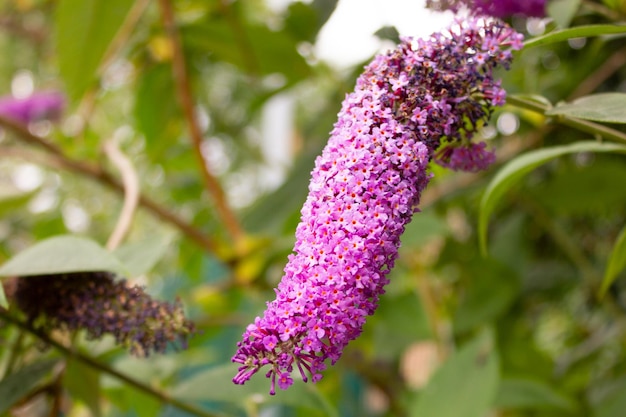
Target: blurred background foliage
x=520 y=332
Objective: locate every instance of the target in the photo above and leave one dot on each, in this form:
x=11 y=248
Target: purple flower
x=97 y=303
x=364 y=189
x=46 y=105
x=496 y=8
x=471 y=157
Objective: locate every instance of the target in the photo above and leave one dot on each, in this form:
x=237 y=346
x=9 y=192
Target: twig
x=97 y=174
x=183 y=91
x=93 y=363
x=131 y=192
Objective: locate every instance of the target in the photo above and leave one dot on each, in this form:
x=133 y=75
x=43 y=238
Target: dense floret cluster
x=366 y=186
x=100 y=305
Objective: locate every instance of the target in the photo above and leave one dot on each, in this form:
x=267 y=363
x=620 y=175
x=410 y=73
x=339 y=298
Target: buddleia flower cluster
x=101 y=305
x=366 y=186
x=496 y=8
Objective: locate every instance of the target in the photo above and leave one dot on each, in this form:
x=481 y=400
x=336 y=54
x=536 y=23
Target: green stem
x=93 y=363
x=579 y=124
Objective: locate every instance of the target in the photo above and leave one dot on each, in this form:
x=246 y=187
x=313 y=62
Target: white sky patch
x=348 y=36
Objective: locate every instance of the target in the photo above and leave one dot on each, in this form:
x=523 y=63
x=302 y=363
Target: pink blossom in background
x=497 y=8
x=366 y=186
x=45 y=105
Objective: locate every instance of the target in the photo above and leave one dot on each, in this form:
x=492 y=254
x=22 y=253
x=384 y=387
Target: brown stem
x=72 y=353
x=97 y=174
x=183 y=91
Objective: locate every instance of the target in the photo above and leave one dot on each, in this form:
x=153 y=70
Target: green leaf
x=140 y=257
x=156 y=107
x=269 y=213
x=16 y=386
x=423 y=227
x=512 y=172
x=389 y=33
x=562 y=11
x=267 y=52
x=604 y=107
x=465 y=385
x=3 y=298
x=325 y=9
x=62 y=254
x=83 y=32
x=215 y=385
x=400 y=318
x=12 y=198
x=301 y=21
x=616 y=264
x=601 y=182
x=530 y=394
x=83 y=383
x=612 y=402
x=575 y=32
x=491 y=289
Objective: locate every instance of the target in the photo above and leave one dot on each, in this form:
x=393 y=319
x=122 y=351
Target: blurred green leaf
x=216 y=384
x=601 y=182
x=257 y=50
x=3 y=298
x=399 y=318
x=603 y=107
x=491 y=289
x=389 y=33
x=465 y=385
x=512 y=172
x=562 y=11
x=423 y=227
x=156 y=107
x=12 y=198
x=144 y=405
x=529 y=394
x=575 y=32
x=62 y=254
x=84 y=30
x=616 y=264
x=83 y=383
x=140 y=257
x=16 y=386
x=270 y=212
x=613 y=402
x=301 y=21
x=325 y=9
